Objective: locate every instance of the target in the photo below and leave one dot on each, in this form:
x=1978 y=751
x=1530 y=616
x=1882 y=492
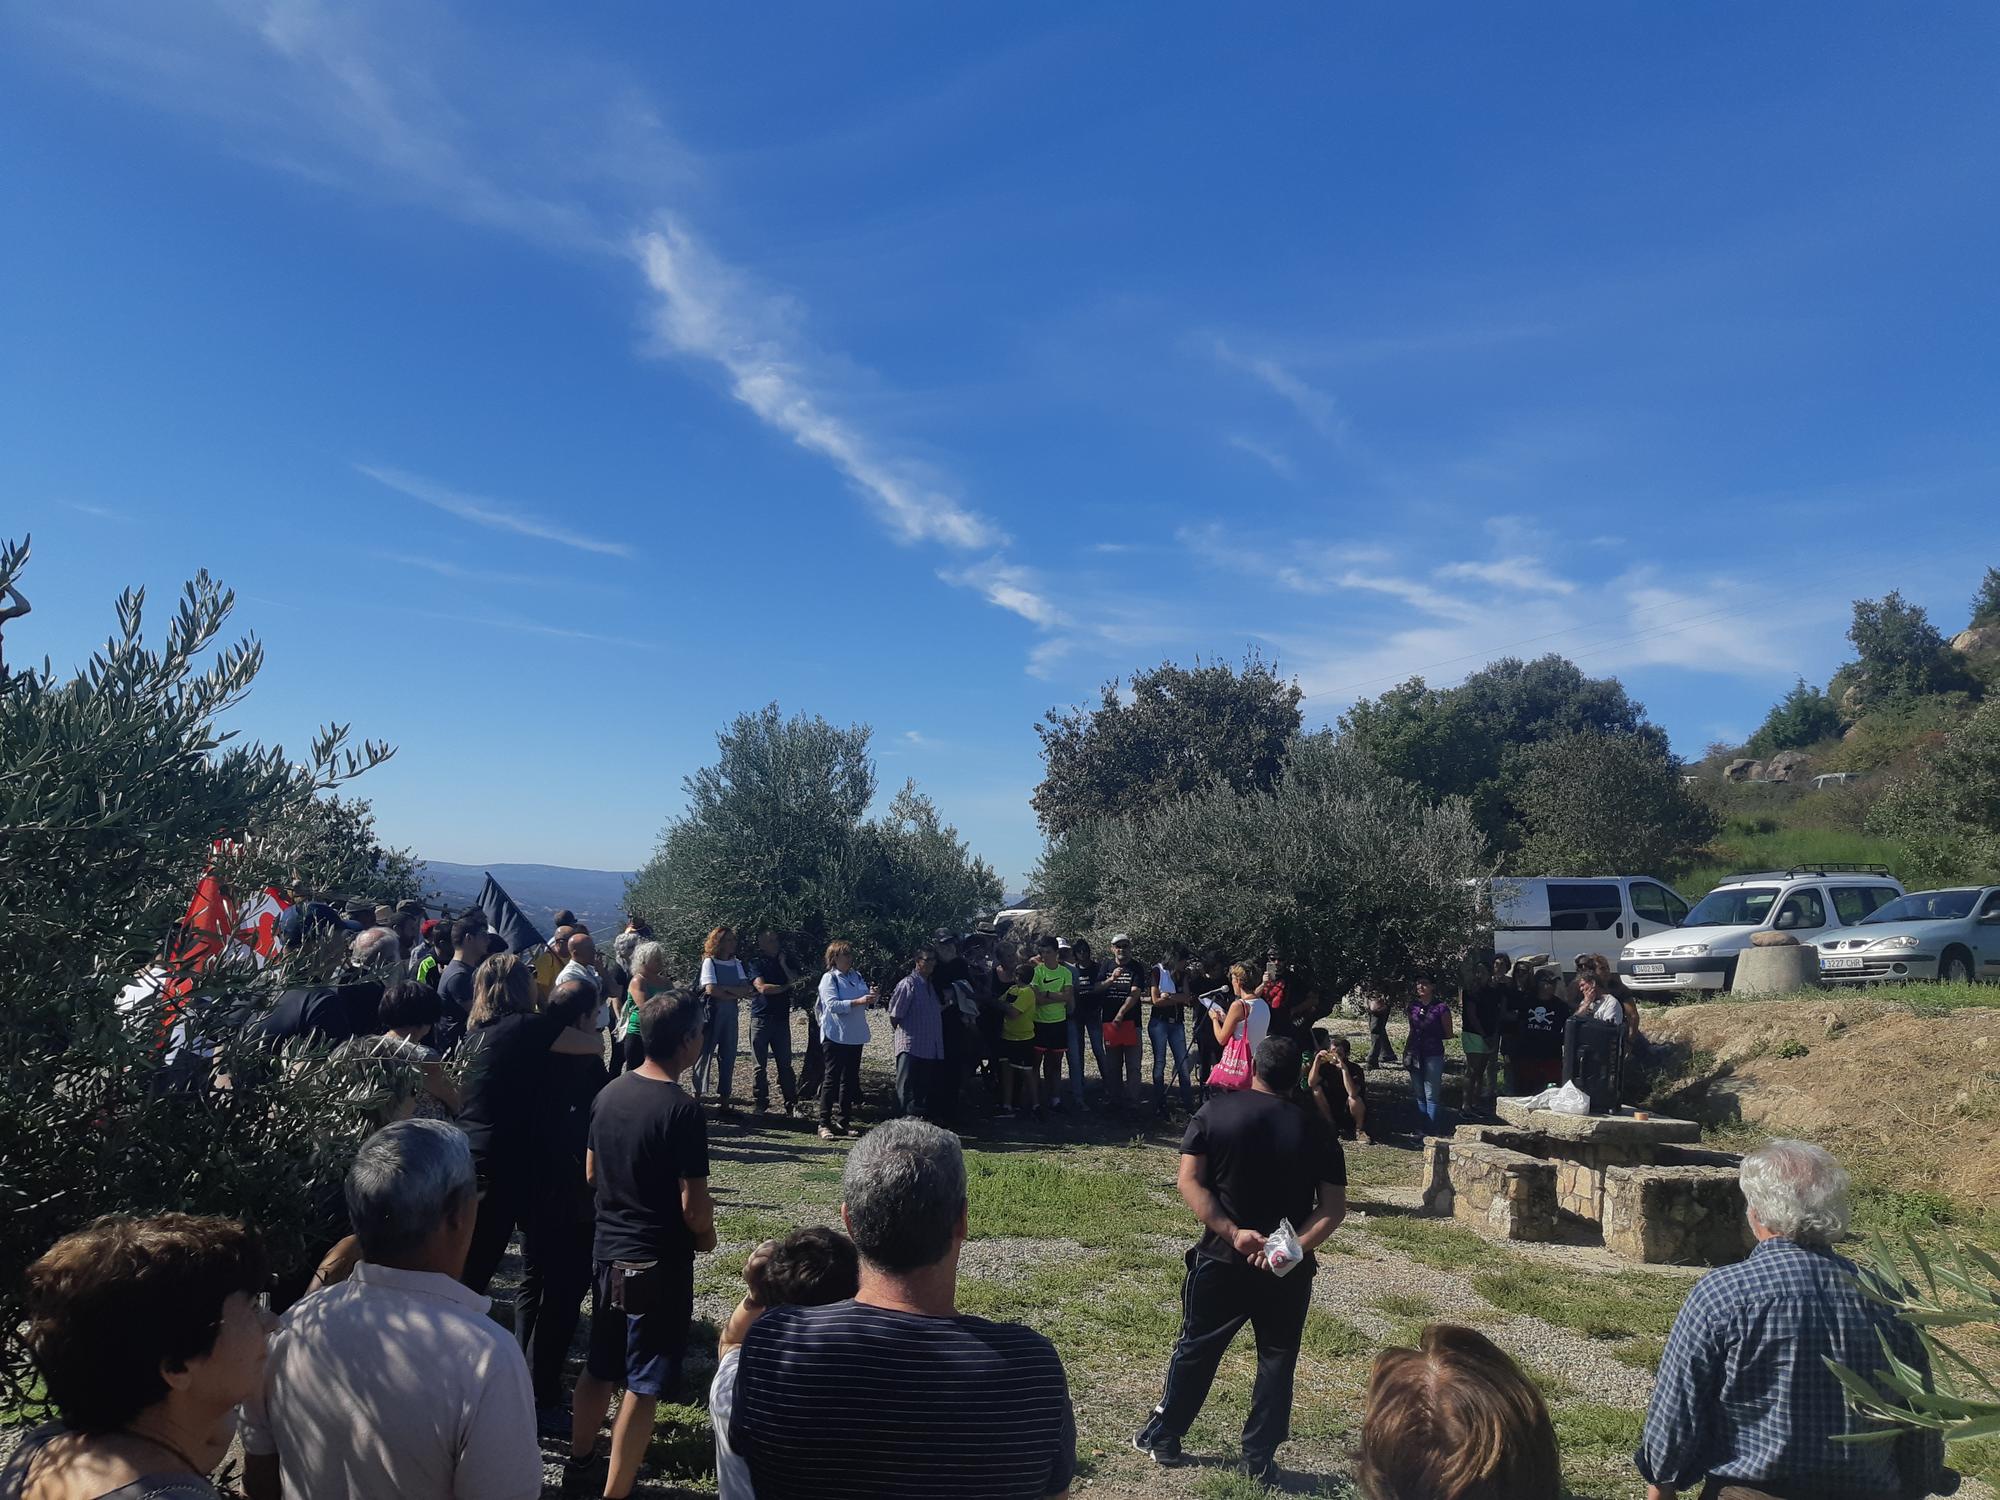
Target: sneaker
x=1164 y=1451
x=827 y=1133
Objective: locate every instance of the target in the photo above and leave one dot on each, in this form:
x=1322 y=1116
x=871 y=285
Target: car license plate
x=1649 y=968
x=1840 y=963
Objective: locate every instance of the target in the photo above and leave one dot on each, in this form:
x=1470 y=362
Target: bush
x=1803 y=717
x=1899 y=729
x=1946 y=812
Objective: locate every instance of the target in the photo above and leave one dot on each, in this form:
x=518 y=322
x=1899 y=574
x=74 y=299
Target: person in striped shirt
x=893 y=1394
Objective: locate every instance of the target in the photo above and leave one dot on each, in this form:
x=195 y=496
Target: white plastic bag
x=1570 y=1100
x=1282 y=1249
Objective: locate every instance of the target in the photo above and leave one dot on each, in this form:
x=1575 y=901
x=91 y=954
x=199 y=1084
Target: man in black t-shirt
x=1249 y=1160
x=649 y=1164
x=894 y=1394
x=960 y=1040
x=771 y=1024
x=470 y=944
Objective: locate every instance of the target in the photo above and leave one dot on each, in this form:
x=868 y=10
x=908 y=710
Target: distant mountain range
x=596 y=896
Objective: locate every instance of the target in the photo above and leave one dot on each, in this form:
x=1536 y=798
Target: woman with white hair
x=649 y=978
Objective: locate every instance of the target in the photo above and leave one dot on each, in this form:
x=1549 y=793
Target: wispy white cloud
x=531 y=627
x=1278 y=462
x=920 y=741
x=1010 y=587
x=1320 y=410
x=96 y=512
x=492 y=578
x=1043 y=659
x=708 y=310
x=1508 y=572
x=483 y=512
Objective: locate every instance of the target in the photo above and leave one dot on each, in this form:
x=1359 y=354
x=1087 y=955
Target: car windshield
x=1926 y=906
x=1733 y=906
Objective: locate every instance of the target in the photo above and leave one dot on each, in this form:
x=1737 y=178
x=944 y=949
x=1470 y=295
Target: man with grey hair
x=395 y=1382
x=1745 y=1406
x=896 y=1393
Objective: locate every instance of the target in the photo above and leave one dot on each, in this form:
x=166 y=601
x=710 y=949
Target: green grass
x=1409 y=1309
x=1033 y=1196
x=1597 y=1442
x=1443 y=1247
x=1925 y=997
x=1762 y=844
x=1628 y=1306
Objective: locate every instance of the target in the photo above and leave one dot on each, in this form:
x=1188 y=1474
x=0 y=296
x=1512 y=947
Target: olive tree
x=1339 y=866
x=118 y=790
x=776 y=835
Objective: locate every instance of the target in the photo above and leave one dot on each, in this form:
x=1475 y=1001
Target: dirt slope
x=1910 y=1102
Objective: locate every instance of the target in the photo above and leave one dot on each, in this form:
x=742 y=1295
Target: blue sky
x=553 y=383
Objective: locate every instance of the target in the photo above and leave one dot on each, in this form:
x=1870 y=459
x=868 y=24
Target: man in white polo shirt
x=395 y=1382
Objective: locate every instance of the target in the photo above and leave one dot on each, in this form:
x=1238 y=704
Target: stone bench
x=1679 y=1215
x=1508 y=1193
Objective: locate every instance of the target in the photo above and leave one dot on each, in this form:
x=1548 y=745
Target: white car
x=1566 y=916
x=1953 y=935
x=1701 y=953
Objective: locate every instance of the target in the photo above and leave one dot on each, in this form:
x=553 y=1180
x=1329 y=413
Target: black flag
x=507 y=920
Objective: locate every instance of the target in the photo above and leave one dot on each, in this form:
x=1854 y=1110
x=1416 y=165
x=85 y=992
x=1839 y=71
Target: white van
x=1701 y=953
x=1567 y=916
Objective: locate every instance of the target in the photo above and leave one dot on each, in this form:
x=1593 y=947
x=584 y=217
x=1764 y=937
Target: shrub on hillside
x=1946 y=812
x=1897 y=730
x=1803 y=717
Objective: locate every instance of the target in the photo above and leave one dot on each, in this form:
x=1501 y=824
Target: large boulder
x=1743 y=768
x=1979 y=648
x=1786 y=765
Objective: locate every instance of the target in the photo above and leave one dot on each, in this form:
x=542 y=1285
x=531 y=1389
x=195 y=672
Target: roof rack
x=1828 y=867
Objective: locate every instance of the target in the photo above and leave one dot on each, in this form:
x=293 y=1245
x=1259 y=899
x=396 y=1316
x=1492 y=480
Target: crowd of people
x=563 y=1099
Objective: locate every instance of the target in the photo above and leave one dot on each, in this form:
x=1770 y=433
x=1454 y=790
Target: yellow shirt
x=1019 y=1026
x=1051 y=982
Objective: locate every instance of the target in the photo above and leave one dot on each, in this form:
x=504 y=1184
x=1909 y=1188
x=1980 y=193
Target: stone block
x=1675 y=1215
x=1509 y=1193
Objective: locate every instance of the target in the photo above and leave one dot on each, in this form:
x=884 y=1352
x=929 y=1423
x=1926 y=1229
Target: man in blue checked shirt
x=1745 y=1407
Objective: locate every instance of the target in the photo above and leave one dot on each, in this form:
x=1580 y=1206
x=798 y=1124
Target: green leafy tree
x=1901 y=654
x=1946 y=812
x=1469 y=741
x=1182 y=728
x=1600 y=804
x=1804 y=716
x=1986 y=603
x=1338 y=865
x=776 y=834
x=118 y=789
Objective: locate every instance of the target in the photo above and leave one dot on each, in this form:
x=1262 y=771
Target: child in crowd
x=1017 y=1045
x=807 y=1268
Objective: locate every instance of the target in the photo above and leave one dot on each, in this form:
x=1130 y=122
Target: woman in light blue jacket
x=844 y=998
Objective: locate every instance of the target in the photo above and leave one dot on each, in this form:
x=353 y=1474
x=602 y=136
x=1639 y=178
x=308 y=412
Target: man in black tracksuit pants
x=1249 y=1159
